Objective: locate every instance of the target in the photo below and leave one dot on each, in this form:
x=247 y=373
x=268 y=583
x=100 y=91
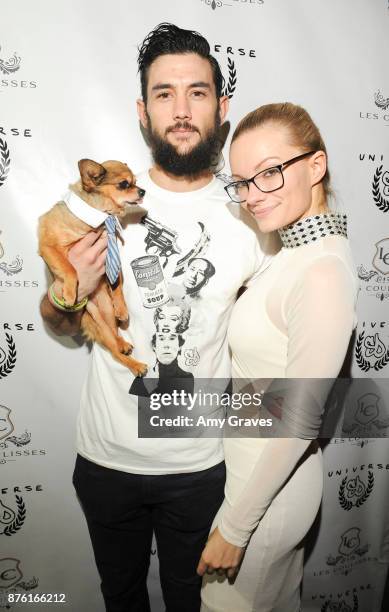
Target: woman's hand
x=219 y=554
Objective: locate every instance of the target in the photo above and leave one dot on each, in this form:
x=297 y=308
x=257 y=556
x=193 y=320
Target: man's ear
x=224 y=105
x=318 y=165
x=91 y=173
x=142 y=112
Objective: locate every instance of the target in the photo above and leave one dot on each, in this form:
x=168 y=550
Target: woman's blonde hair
x=303 y=132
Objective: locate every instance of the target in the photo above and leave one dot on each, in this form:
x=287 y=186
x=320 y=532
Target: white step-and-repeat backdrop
x=68 y=86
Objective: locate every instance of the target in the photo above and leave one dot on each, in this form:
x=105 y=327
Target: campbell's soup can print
x=149 y=277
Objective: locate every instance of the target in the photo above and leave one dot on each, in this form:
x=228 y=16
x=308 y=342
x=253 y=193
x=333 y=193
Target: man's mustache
x=182 y=125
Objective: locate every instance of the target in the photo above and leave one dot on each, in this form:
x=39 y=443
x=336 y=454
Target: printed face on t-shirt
x=195 y=275
x=166 y=347
x=168 y=318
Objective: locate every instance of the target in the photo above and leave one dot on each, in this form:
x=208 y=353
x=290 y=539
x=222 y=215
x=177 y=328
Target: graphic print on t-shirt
x=173 y=286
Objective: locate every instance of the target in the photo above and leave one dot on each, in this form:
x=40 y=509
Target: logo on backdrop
x=232 y=53
x=9 y=66
x=381 y=101
x=13 y=508
x=381 y=111
x=13 y=443
x=5 y=161
x=380 y=189
x=348 y=600
x=7 y=356
x=12 y=518
x=377 y=278
x=11 y=581
x=370 y=418
x=351 y=552
x=344 y=601
x=372 y=346
x=7 y=346
x=10 y=268
x=353 y=492
x=6 y=429
x=341 y=605
x=214 y=4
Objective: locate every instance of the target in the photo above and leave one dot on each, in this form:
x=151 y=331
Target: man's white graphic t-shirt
x=183 y=265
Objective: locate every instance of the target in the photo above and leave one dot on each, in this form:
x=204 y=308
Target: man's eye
x=124 y=185
x=198 y=94
x=163 y=95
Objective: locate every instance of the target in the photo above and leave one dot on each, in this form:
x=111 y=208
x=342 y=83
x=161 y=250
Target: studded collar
x=313 y=228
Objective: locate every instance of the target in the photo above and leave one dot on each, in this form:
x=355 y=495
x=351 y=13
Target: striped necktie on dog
x=112 y=262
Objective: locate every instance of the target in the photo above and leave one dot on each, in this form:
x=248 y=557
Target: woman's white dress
x=294 y=322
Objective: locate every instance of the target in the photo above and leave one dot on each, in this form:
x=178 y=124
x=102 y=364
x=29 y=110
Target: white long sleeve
x=319 y=317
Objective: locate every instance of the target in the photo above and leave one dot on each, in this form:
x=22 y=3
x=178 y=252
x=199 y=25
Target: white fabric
x=83 y=211
x=107 y=424
x=295 y=321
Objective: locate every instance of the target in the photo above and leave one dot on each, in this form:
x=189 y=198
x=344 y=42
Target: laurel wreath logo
x=5 y=161
x=7 y=367
x=382 y=362
x=361 y=361
x=232 y=78
x=340 y=606
x=19 y=519
x=380 y=201
x=345 y=503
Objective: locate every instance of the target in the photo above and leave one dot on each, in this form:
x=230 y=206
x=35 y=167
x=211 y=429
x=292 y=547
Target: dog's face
x=113 y=182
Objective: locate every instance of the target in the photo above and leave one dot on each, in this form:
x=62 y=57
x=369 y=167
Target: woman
x=295 y=323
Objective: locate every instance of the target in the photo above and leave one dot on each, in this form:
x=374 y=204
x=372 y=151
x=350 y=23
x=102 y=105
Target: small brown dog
x=110 y=188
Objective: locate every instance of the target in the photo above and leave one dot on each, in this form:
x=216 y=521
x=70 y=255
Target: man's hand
x=87 y=257
x=219 y=554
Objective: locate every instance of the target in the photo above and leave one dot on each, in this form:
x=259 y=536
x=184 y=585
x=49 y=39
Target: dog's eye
x=124 y=185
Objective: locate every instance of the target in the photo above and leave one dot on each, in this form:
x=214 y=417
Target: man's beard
x=193 y=163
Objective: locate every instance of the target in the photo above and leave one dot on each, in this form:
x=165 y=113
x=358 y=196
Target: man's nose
x=182 y=108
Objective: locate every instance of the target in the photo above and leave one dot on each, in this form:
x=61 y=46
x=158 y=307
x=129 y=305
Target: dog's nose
x=141 y=192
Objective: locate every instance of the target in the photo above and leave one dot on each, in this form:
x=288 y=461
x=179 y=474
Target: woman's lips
x=260 y=212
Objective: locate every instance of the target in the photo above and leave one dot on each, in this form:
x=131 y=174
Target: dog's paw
x=69 y=295
x=140 y=369
x=121 y=312
x=124 y=347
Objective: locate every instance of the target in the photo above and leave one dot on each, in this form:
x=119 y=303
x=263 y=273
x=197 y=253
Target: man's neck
x=179 y=183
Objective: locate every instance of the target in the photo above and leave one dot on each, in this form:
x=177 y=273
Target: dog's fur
x=109 y=187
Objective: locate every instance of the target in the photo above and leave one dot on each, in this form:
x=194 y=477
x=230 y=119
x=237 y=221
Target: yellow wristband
x=60 y=303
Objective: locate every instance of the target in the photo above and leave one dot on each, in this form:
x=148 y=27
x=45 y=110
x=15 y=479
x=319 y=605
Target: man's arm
x=88 y=259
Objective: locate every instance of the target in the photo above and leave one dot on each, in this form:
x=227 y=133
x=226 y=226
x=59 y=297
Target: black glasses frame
x=279 y=167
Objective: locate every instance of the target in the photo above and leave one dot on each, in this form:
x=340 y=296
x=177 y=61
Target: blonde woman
x=294 y=323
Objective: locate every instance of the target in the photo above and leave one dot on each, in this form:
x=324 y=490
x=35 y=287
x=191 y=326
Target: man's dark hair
x=167 y=38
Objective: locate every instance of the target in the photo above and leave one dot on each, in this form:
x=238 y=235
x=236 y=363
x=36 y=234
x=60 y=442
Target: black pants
x=122 y=511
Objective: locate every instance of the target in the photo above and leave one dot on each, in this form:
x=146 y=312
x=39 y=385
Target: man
x=131 y=486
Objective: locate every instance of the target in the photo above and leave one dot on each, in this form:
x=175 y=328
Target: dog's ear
x=91 y=173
